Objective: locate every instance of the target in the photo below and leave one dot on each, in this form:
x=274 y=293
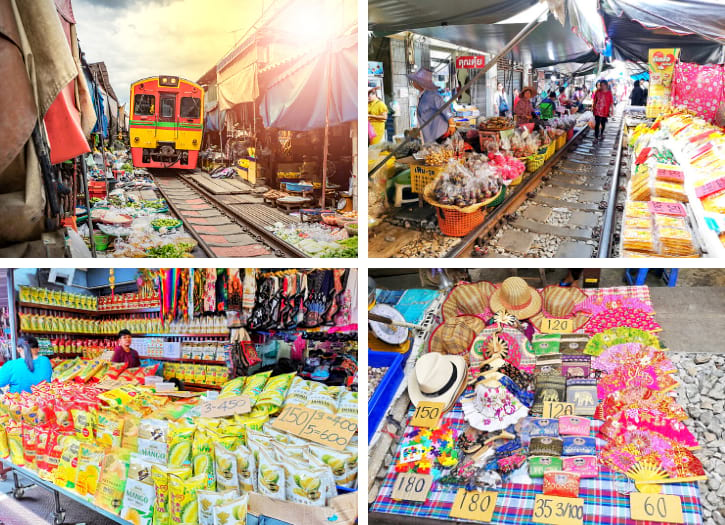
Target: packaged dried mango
x=181 y=437
x=67 y=471
x=109 y=429
x=232 y=512
x=183 y=502
x=208 y=500
x=271 y=475
x=160 y=478
x=114 y=471
x=246 y=469
x=225 y=468
x=90 y=458
x=202 y=458
x=138 y=503
x=129 y=439
x=254 y=385
x=152 y=440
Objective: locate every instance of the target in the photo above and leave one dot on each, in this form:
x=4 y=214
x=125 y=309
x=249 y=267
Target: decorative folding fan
x=639 y=397
x=647 y=476
x=619 y=335
x=603 y=303
x=632 y=354
x=649 y=376
x=627 y=317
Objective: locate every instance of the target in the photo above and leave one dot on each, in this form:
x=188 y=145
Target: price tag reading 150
x=656 y=507
x=474 y=505
x=554 y=510
x=427 y=414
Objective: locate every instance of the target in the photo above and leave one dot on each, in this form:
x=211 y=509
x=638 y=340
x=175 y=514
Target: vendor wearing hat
x=437 y=378
x=377 y=114
x=524 y=109
x=428 y=104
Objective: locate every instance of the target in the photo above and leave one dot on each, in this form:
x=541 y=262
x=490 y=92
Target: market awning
x=549 y=44
x=386 y=17
x=295 y=91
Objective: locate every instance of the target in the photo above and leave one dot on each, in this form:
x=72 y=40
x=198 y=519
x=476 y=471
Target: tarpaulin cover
x=549 y=44
x=386 y=17
x=211 y=119
x=703 y=17
x=295 y=91
x=632 y=41
x=237 y=81
x=99 y=105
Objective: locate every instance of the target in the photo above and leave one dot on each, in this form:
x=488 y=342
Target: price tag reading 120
x=427 y=414
x=552 y=410
x=656 y=507
x=554 y=510
x=557 y=326
x=474 y=505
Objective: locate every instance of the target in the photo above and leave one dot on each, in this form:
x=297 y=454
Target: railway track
x=223 y=225
x=565 y=209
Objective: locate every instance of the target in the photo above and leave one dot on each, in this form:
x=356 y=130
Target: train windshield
x=190 y=107
x=167 y=107
x=144 y=104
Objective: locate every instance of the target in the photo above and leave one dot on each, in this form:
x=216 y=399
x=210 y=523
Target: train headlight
x=136 y=139
x=194 y=142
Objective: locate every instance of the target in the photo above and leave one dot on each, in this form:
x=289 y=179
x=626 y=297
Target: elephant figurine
x=583 y=399
x=549 y=394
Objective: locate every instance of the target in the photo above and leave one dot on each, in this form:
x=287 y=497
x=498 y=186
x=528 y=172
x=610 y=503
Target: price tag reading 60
x=427 y=414
x=554 y=510
x=656 y=507
x=474 y=505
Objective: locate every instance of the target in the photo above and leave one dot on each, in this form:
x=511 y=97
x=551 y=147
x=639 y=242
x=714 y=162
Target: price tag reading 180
x=474 y=505
x=412 y=487
x=656 y=507
x=427 y=414
x=553 y=410
x=555 y=510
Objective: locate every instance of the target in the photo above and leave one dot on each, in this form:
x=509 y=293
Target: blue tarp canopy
x=294 y=91
x=99 y=105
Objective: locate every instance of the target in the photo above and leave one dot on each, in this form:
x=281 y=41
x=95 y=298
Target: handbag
x=545 y=446
x=585 y=466
x=574 y=426
x=541 y=427
x=538 y=466
x=560 y=483
x=579 y=446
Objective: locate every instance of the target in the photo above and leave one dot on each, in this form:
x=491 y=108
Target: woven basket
x=516 y=181
x=561 y=141
x=498 y=199
x=534 y=162
x=458 y=224
x=429 y=196
x=550 y=150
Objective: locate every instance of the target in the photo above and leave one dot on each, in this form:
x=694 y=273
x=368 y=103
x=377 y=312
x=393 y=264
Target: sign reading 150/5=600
x=314 y=425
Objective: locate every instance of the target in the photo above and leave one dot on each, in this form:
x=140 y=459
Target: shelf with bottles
x=93 y=313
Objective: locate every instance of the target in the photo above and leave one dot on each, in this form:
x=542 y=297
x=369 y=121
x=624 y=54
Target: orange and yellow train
x=166 y=122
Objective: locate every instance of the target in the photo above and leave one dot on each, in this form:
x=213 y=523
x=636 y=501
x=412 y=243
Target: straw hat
x=559 y=302
x=517 y=298
x=467 y=298
x=456 y=335
x=529 y=89
x=424 y=78
x=437 y=378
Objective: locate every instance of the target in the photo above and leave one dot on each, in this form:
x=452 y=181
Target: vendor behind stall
x=428 y=104
x=377 y=115
x=123 y=353
x=524 y=110
x=28 y=370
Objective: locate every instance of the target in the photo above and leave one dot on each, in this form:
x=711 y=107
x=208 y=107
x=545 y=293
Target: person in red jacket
x=602 y=103
x=123 y=353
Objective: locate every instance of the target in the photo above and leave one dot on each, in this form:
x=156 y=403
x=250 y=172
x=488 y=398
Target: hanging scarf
x=210 y=290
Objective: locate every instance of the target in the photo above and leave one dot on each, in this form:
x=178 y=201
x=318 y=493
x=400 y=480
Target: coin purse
x=544 y=427
x=545 y=446
x=574 y=426
x=542 y=464
x=585 y=466
x=579 y=446
x=562 y=484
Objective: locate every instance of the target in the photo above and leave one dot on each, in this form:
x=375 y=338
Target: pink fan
x=629 y=317
x=604 y=303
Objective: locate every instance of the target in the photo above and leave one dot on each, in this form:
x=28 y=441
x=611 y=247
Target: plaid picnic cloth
x=603 y=504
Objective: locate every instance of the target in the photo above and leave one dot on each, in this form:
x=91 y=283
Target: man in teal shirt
x=27 y=370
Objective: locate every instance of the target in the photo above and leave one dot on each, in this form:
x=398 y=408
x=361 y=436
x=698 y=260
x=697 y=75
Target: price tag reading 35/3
x=412 y=487
x=554 y=510
x=550 y=325
x=427 y=414
x=656 y=507
x=474 y=505
x=553 y=410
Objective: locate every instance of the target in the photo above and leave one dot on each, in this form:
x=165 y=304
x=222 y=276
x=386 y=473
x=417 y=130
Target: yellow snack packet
x=183 y=502
x=109 y=429
x=114 y=470
x=180 y=442
x=89 y=470
x=160 y=478
x=202 y=458
x=67 y=471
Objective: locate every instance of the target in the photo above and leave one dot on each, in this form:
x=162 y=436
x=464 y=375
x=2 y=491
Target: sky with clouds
x=141 y=38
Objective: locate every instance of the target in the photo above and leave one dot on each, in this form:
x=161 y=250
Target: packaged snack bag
x=129 y=438
x=232 y=388
x=336 y=460
x=160 y=478
x=202 y=458
x=305 y=483
x=109 y=429
x=298 y=392
x=14 y=432
x=90 y=458
x=67 y=471
x=180 y=441
x=91 y=368
x=226 y=468
x=271 y=476
x=272 y=397
x=115 y=369
x=30 y=438
x=152 y=440
x=232 y=512
x=246 y=469
x=328 y=479
x=254 y=385
x=324 y=399
x=4 y=447
x=347 y=405
x=208 y=500
x=138 y=503
x=114 y=471
x=183 y=502
x=351 y=466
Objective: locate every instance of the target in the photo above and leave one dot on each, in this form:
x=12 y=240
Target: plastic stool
x=668 y=275
x=399 y=200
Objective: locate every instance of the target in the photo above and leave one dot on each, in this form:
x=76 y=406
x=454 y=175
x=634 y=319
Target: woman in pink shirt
x=602 y=103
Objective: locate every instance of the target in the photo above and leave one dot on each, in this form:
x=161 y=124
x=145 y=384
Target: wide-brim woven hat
x=456 y=335
x=559 y=302
x=467 y=299
x=424 y=78
x=517 y=298
x=437 y=378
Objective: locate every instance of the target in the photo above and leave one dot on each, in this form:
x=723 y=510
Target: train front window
x=167 y=107
x=144 y=105
x=190 y=107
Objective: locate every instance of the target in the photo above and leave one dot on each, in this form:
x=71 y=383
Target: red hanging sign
x=470 y=62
